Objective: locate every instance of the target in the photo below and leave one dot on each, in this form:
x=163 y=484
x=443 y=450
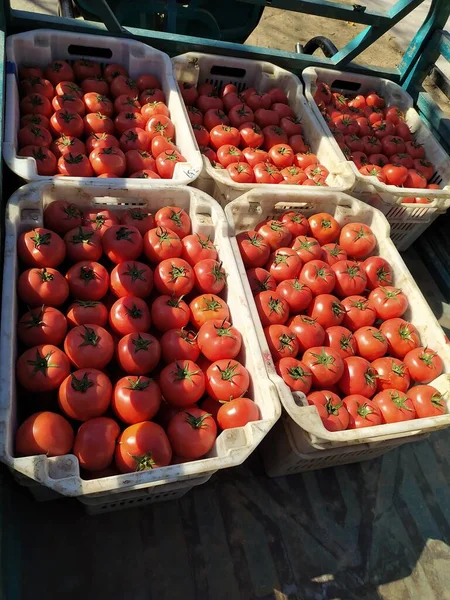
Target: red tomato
x=83 y=244
x=395 y=174
x=142 y=220
x=295 y=222
x=212 y=118
x=284 y=263
x=32 y=135
x=357 y=239
x=332 y=253
x=25 y=72
x=260 y=280
x=358 y=377
x=113 y=70
x=41 y=247
x=36 y=104
x=82 y=312
x=395 y=406
x=360 y=159
x=370 y=343
x=298 y=145
x=62 y=216
x=340 y=339
x=197 y=247
x=85 y=394
x=224 y=135
x=42 y=368
x=378 y=272
x=281 y=155
x=293 y=175
x=309 y=332
x=46 y=163
x=210 y=276
x=69 y=102
x=389 y=302
x=423 y=364
x=44 y=433
x=382 y=129
x=68 y=144
x=267 y=173
x=161 y=243
x=129 y=314
x=265 y=117
x=226 y=379
x=219 y=340
x=147 y=81
x=373 y=171
x=134 y=139
x=358 y=312
x=282 y=342
x=362 y=411
x=108 y=160
x=138 y=353
x=95 y=442
x=274 y=135
x=307 y=248
x=350 y=278
x=427 y=401
x=100 y=219
x=272 y=308
x=326 y=310
x=227 y=155
x=206 y=102
x=89 y=346
x=127 y=104
x=98 y=123
x=32 y=85
x=251 y=135
x=37 y=120
x=174 y=277
x=120 y=85
x=297 y=294
x=159 y=125
x=37 y=287
x=73 y=165
x=68 y=87
x=323 y=227
x=100 y=140
x=295 y=374
x=131 y=278
x=401 y=336
x=160 y=144
x=275 y=233
x=196 y=116
x=84 y=68
x=415 y=180
x=182 y=383
x=237 y=413
x=240 y=114
x=122 y=243
x=326 y=365
x=166 y=162
x=88 y=280
x=66 y=122
x=207 y=307
x=414 y=149
x=95 y=84
x=331 y=410
x=179 y=344
x=142 y=446
x=318 y=276
x=189 y=92
x=42 y=325
x=241 y=172
x=392 y=374
x=192 y=433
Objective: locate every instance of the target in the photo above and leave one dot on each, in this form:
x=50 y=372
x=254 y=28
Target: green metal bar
x=419 y=56
x=175 y=44
x=371 y=34
x=433 y=115
x=106 y=14
x=332 y=10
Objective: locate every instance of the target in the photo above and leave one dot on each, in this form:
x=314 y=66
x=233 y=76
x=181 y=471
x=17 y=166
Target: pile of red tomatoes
x=85 y=120
x=255 y=136
x=377 y=139
x=333 y=321
x=127 y=354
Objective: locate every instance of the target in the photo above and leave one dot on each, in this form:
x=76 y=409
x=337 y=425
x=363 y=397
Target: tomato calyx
x=399 y=370
x=399 y=400
x=364 y=410
x=324 y=359
x=40 y=239
x=81 y=384
x=131 y=136
x=337 y=309
x=379 y=336
x=223 y=331
x=159 y=127
x=286 y=341
x=164 y=235
x=72 y=211
x=321 y=273
x=182 y=373
x=82 y=237
x=370 y=377
x=36 y=131
x=353 y=271
x=39 y=154
x=98 y=221
x=87 y=303
x=137 y=384
x=68 y=97
x=90 y=338
x=264 y=285
x=242 y=167
x=134 y=312
x=207 y=244
x=175 y=216
x=64 y=140
x=41 y=363
x=67 y=116
x=346 y=342
x=307 y=245
x=123 y=234
x=404 y=332
x=229 y=372
x=188 y=336
x=73 y=160
x=332 y=409
x=197 y=422
x=360 y=304
x=211 y=305
x=35 y=320
x=141 y=343
x=427 y=357
x=297 y=285
x=384 y=275
x=135 y=273
x=87 y=274
x=437 y=400
x=275 y=305
x=297 y=373
x=281 y=259
x=144 y=462
x=36 y=101
x=45 y=275
x=391 y=294
x=335 y=251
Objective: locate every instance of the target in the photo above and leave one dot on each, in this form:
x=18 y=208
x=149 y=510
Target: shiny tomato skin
x=260 y=280
x=362 y=411
x=88 y=280
x=267 y=173
x=89 y=346
x=378 y=272
x=402 y=337
x=121 y=243
x=357 y=239
x=182 y=383
x=41 y=247
x=83 y=244
x=206 y=307
x=282 y=342
x=32 y=135
x=358 y=312
x=370 y=343
x=331 y=410
x=42 y=325
x=174 y=277
x=358 y=377
x=134 y=138
x=136 y=399
x=324 y=228
x=100 y=219
x=326 y=310
x=350 y=278
x=237 y=413
x=67 y=144
x=309 y=332
x=85 y=394
x=121 y=85
x=297 y=294
x=175 y=219
x=197 y=247
x=100 y=140
x=332 y=253
x=72 y=165
x=340 y=339
x=392 y=374
x=307 y=248
x=138 y=353
x=39 y=85
x=326 y=365
x=108 y=160
x=192 y=433
x=97 y=123
x=142 y=446
x=161 y=244
x=129 y=314
x=295 y=222
x=95 y=442
x=284 y=263
x=113 y=70
x=423 y=364
x=46 y=286
x=272 y=308
x=82 y=312
x=427 y=401
x=180 y=344
x=44 y=433
x=169 y=312
x=210 y=276
x=42 y=368
x=275 y=233
x=318 y=276
x=295 y=374
x=395 y=406
x=389 y=302
x=66 y=122
x=46 y=163
x=131 y=278
x=227 y=379
x=36 y=104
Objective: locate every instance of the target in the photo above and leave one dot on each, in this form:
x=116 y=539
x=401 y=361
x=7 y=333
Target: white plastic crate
x=39 y=47
x=232 y=447
x=310 y=435
x=408 y=221
x=196 y=68
x=281 y=456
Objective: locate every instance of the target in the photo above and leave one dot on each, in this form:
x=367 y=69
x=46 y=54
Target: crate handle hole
x=230 y=72
x=90 y=51
x=349 y=86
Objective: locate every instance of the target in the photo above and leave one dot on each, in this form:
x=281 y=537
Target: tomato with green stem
x=131 y=278
x=37 y=85
x=41 y=247
x=340 y=339
x=255 y=251
x=326 y=310
x=227 y=379
x=326 y=365
x=267 y=173
x=142 y=220
x=332 y=253
x=197 y=247
x=88 y=280
x=358 y=312
x=210 y=276
x=129 y=314
x=427 y=401
x=192 y=433
x=42 y=325
x=142 y=447
x=295 y=222
x=307 y=248
x=392 y=373
x=350 y=278
x=67 y=144
x=318 y=276
x=182 y=383
x=358 y=377
x=72 y=165
x=357 y=239
x=42 y=368
x=272 y=308
x=206 y=307
x=42 y=286
x=179 y=344
x=362 y=412
x=83 y=312
x=138 y=353
x=46 y=163
x=275 y=233
x=174 y=219
x=122 y=243
x=284 y=263
x=113 y=70
x=37 y=120
x=241 y=172
x=89 y=346
x=324 y=227
x=260 y=280
x=402 y=336
x=395 y=406
x=32 y=135
x=83 y=243
x=371 y=170
x=309 y=331
x=237 y=413
x=174 y=277
x=331 y=409
x=136 y=399
x=169 y=312
x=424 y=364
x=389 y=302
x=219 y=340
x=295 y=374
x=370 y=343
x=161 y=244
x=44 y=433
x=282 y=342
x=378 y=272
x=36 y=104
x=152 y=109
x=297 y=294
x=85 y=394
